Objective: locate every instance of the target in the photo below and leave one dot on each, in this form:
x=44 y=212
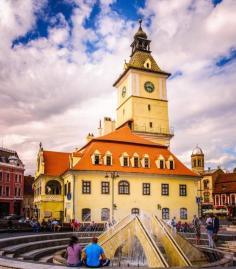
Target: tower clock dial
x=149 y=86
x=124 y=92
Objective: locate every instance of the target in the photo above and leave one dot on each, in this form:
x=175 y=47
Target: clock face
x=123 y=92
x=149 y=86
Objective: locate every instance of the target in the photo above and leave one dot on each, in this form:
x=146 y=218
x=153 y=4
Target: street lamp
x=113 y=175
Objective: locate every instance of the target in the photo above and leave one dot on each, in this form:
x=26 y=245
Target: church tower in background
x=142 y=94
x=197 y=160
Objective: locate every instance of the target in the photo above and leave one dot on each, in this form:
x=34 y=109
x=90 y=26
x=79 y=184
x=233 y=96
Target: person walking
x=73 y=252
x=209 y=228
x=197 y=228
x=93 y=255
x=216 y=226
x=173 y=224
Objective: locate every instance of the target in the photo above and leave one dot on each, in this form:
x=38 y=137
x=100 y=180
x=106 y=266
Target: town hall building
x=129 y=168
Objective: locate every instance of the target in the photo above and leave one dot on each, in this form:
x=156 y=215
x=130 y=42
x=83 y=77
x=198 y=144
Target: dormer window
x=148 y=64
x=124 y=159
x=107 y=158
x=170 y=163
x=96 y=159
x=160 y=162
x=136 y=161
x=145 y=161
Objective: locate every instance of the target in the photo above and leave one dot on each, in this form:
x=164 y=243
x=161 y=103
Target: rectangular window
x=0 y=176
x=125 y=161
x=164 y=189
x=171 y=165
x=146 y=188
x=19 y=178
x=146 y=162
x=16 y=178
x=69 y=187
x=86 y=187
x=65 y=189
x=182 y=190
x=108 y=160
x=7 y=191
x=105 y=187
x=149 y=107
x=19 y=192
x=150 y=124
x=16 y=191
x=136 y=162
x=0 y=190
x=8 y=177
x=96 y=159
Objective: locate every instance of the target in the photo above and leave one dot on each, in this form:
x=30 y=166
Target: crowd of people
x=210 y=223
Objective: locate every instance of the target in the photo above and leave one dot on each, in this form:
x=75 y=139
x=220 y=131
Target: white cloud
x=53 y=90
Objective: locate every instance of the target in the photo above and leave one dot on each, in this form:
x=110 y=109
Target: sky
x=59 y=59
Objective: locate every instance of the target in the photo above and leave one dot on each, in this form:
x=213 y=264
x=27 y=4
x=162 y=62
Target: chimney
x=89 y=137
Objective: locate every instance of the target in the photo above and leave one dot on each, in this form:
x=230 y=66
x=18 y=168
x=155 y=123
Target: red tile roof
x=123 y=140
x=55 y=162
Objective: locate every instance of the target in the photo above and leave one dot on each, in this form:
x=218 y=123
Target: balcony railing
x=157 y=130
x=49 y=198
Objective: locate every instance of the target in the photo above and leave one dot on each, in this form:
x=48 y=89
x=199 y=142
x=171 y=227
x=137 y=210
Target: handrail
x=173 y=241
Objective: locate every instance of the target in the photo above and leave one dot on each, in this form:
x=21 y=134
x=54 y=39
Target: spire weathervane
x=140 y=23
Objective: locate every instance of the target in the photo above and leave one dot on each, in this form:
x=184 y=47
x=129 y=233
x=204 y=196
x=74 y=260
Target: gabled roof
x=55 y=163
x=123 y=140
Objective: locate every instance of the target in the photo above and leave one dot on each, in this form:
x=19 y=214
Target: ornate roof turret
x=197 y=151
x=140 y=41
x=140 y=32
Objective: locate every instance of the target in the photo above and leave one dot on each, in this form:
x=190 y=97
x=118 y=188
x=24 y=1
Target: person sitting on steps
x=93 y=255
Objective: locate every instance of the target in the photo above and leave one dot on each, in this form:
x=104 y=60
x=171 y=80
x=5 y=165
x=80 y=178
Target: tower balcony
x=154 y=130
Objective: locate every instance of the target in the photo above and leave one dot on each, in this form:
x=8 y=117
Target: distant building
x=28 y=196
x=11 y=182
x=224 y=194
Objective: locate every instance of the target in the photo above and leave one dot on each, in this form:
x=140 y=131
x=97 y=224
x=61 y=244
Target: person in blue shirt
x=93 y=255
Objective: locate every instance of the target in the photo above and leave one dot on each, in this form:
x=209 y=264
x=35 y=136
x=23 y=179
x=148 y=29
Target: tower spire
x=140 y=40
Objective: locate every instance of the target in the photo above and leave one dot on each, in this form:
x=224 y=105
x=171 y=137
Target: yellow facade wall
x=146 y=203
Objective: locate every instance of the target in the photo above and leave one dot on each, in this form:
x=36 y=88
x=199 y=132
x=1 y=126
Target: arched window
x=165 y=213
x=135 y=211
x=123 y=187
x=53 y=187
x=223 y=199
x=86 y=214
x=105 y=214
x=170 y=163
x=194 y=163
x=217 y=200
x=124 y=159
x=205 y=184
x=183 y=213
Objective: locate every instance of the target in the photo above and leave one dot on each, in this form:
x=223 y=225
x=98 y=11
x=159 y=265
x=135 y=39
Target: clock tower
x=142 y=96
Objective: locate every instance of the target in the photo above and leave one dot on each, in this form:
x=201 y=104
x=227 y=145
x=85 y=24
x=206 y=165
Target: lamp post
x=113 y=175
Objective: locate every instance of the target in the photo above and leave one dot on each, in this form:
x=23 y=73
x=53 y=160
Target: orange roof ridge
x=124 y=134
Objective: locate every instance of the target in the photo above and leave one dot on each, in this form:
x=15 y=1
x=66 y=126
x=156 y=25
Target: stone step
x=45 y=236
x=22 y=248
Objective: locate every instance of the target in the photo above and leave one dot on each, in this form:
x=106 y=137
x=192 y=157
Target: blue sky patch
x=176 y=74
x=226 y=59
x=44 y=20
